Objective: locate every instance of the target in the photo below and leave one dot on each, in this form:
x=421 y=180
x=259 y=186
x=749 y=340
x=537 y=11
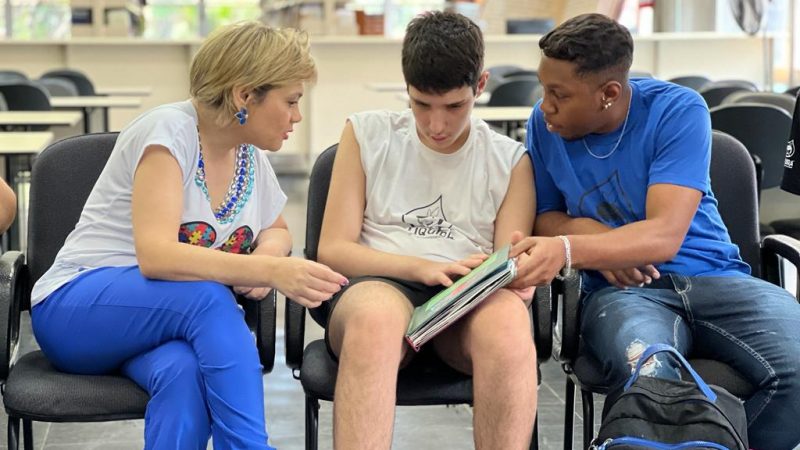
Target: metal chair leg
x=569 y=414
x=13 y=433
x=587 y=399
x=27 y=434
x=535 y=438
x=312 y=422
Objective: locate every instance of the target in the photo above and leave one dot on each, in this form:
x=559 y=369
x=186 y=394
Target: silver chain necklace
x=624 y=124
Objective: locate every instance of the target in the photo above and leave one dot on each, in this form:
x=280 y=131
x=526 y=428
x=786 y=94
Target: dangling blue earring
x=242 y=116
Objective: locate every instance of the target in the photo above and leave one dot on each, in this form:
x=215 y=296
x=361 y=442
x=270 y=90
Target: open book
x=462 y=296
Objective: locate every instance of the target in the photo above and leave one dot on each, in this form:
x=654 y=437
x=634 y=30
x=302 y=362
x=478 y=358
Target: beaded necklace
x=241 y=185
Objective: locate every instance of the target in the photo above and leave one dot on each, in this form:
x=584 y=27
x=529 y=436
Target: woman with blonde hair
x=140 y=286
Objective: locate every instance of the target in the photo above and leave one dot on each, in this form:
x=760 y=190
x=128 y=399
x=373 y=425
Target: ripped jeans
x=745 y=322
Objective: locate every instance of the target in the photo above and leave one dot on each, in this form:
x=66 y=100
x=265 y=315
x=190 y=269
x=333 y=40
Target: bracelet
x=567 y=258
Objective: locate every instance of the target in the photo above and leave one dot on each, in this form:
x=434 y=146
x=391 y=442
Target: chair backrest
x=12 y=75
x=59 y=87
x=529 y=26
x=695 y=82
x=62 y=178
x=784 y=101
x=25 y=96
x=714 y=95
x=763 y=129
x=3 y=104
x=319 y=181
x=79 y=79
x=514 y=93
x=639 y=74
x=522 y=73
x=733 y=181
x=497 y=75
x=793 y=91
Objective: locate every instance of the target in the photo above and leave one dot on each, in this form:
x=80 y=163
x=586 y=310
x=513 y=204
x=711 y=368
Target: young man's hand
x=432 y=273
x=634 y=277
x=539 y=259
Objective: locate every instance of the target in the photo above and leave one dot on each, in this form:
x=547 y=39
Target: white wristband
x=567 y=255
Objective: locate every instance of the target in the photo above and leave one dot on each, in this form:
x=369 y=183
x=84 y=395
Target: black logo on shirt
x=429 y=221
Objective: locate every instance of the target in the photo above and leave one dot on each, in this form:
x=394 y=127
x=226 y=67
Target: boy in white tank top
x=421 y=196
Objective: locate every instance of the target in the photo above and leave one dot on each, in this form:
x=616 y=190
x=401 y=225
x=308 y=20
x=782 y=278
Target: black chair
x=639 y=74
x=734 y=184
x=25 y=96
x=62 y=178
x=515 y=92
x=59 y=87
x=793 y=91
x=424 y=382
x=523 y=74
x=716 y=91
x=12 y=75
x=497 y=75
x=784 y=101
x=763 y=129
x=695 y=82
x=529 y=26
x=79 y=79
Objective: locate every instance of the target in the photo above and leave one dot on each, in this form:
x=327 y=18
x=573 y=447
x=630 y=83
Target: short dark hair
x=442 y=51
x=593 y=42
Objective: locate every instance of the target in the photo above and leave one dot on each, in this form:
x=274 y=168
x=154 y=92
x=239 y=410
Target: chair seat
x=589 y=372
x=426 y=381
x=37 y=391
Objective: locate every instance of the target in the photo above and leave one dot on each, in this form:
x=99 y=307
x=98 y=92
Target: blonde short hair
x=252 y=56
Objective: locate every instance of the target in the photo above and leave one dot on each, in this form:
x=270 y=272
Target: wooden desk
x=133 y=91
x=87 y=103
x=503 y=113
x=14 y=144
x=39 y=118
x=482 y=99
x=24 y=142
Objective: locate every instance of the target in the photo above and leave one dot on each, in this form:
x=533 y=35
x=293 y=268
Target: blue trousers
x=747 y=323
x=184 y=342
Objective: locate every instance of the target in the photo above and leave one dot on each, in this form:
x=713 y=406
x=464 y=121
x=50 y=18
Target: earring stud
x=241 y=116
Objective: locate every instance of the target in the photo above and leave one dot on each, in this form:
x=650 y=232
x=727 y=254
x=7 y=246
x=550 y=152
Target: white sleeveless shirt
x=427 y=204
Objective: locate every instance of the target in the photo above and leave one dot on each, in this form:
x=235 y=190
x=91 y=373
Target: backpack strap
x=659 y=348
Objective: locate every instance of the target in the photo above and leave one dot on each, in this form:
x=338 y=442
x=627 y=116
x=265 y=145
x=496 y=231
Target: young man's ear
x=612 y=91
x=482 y=83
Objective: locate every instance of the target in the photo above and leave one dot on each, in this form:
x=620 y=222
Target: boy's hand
x=432 y=273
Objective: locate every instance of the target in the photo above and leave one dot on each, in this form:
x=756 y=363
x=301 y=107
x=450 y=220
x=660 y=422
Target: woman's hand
x=306 y=282
x=432 y=273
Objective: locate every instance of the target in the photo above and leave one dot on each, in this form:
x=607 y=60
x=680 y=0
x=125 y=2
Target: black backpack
x=656 y=413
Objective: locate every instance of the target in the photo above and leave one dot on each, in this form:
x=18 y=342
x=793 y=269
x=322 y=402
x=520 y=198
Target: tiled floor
x=418 y=428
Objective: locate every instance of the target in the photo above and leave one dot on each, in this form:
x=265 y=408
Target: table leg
x=86 y=124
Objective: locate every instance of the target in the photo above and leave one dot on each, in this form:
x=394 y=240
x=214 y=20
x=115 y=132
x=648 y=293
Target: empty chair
x=25 y=96
x=784 y=101
x=522 y=75
x=639 y=74
x=79 y=79
x=514 y=93
x=529 y=26
x=695 y=82
x=716 y=91
x=58 y=87
x=497 y=75
x=763 y=129
x=12 y=75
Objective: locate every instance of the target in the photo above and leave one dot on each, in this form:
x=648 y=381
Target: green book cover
x=497 y=263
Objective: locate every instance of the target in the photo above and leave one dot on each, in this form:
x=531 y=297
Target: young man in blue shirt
x=622 y=179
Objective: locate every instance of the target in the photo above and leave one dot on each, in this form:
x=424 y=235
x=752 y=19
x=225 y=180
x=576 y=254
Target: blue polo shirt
x=667 y=139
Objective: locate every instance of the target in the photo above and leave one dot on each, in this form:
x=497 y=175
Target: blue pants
x=184 y=342
x=747 y=323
